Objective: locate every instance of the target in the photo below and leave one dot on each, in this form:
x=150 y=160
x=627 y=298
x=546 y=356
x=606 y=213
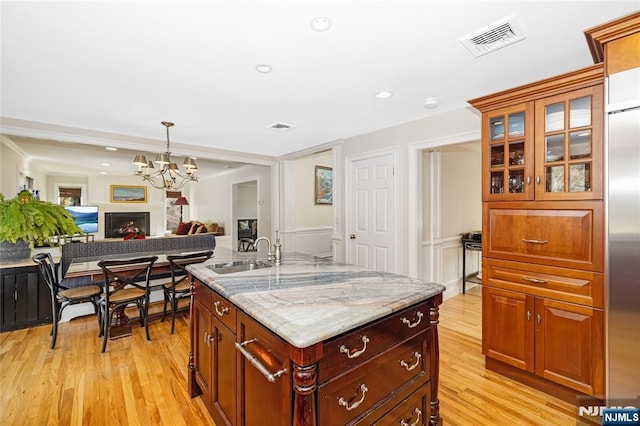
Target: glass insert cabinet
x=545 y=149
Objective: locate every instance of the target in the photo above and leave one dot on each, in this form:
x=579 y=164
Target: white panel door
x=371 y=206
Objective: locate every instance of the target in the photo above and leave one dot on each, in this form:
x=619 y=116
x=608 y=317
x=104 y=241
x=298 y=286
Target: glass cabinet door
x=569 y=145
x=509 y=154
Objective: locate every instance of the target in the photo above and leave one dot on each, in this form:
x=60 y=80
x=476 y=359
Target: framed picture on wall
x=323 y=185
x=128 y=194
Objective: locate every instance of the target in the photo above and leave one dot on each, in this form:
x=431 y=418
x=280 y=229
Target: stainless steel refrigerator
x=623 y=240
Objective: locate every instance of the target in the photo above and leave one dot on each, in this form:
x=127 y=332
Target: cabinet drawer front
x=224 y=311
x=353 y=394
x=350 y=350
x=569 y=285
x=415 y=410
x=570 y=238
x=203 y=294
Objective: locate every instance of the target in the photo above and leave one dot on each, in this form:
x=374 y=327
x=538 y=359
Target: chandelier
x=168 y=175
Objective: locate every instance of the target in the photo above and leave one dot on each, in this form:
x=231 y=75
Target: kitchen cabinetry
x=544 y=141
x=543 y=233
x=383 y=372
x=559 y=341
x=214 y=355
x=25 y=298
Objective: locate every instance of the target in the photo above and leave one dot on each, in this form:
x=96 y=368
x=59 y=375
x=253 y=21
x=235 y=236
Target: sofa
x=196 y=227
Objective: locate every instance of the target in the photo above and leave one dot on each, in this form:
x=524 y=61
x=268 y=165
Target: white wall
x=213 y=199
x=13 y=162
x=443 y=126
x=307 y=227
x=246 y=200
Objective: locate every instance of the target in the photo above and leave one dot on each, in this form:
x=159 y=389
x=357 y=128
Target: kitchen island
x=312 y=342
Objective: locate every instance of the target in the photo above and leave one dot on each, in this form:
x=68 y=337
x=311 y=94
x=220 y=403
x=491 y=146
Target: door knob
x=352 y=236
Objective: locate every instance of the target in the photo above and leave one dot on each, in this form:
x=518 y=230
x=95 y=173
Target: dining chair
x=61 y=295
x=126 y=282
x=179 y=286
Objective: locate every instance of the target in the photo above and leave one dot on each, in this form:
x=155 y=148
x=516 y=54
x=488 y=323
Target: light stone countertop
x=307 y=299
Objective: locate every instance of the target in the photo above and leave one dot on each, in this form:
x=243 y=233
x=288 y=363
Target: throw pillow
x=183 y=228
x=194 y=228
x=212 y=227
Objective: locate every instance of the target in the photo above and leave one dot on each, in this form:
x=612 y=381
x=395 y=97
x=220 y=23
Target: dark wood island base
x=384 y=372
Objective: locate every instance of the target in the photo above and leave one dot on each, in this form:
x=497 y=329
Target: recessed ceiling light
x=320 y=23
x=431 y=103
x=105 y=164
x=385 y=94
x=103 y=173
x=110 y=148
x=263 y=68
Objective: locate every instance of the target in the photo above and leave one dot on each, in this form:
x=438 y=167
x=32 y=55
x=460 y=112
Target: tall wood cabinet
x=543 y=233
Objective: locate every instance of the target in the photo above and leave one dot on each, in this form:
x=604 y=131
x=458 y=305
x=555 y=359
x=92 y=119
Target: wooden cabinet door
x=569 y=145
x=562 y=234
x=202 y=350
x=507 y=327
x=223 y=381
x=508 y=153
x=570 y=345
x=262 y=400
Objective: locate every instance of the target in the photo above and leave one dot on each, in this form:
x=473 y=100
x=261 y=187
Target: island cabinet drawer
x=224 y=310
x=415 y=410
x=554 y=234
x=203 y=294
x=350 y=350
x=568 y=285
x=375 y=382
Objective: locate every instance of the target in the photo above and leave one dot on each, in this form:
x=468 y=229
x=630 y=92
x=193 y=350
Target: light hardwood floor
x=145 y=383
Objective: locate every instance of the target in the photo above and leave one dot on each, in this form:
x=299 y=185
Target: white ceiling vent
x=280 y=126
x=492 y=37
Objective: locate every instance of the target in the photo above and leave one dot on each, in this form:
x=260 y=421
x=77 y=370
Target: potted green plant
x=25 y=222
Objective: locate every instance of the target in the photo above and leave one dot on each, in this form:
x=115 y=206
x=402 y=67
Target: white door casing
x=371 y=212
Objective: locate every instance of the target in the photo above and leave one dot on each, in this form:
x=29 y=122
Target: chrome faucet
x=269 y=254
x=277 y=250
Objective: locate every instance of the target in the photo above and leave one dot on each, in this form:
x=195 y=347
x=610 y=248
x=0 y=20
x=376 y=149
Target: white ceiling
x=108 y=72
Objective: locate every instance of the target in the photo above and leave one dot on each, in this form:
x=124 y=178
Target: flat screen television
x=86 y=217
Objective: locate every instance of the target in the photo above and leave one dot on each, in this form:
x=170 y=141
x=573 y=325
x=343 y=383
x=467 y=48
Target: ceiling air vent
x=494 y=36
x=280 y=126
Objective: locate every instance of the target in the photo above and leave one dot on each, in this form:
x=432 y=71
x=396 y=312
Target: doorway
x=245 y=210
x=372 y=225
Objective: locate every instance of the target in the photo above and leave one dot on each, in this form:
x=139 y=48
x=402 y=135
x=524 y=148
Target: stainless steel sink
x=238 y=266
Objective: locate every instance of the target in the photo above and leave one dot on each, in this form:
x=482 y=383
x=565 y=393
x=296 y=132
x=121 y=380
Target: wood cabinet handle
x=256 y=362
x=418 y=413
x=345 y=350
x=222 y=312
x=526 y=240
x=408 y=367
x=410 y=324
x=534 y=280
x=342 y=402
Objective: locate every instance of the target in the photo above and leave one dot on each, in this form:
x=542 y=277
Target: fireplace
x=117 y=225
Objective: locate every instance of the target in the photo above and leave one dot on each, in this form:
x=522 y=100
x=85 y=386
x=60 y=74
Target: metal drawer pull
x=524 y=240
x=539 y=318
x=346 y=405
x=534 y=280
x=345 y=350
x=418 y=413
x=256 y=363
x=404 y=364
x=222 y=312
x=409 y=324
x=206 y=338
